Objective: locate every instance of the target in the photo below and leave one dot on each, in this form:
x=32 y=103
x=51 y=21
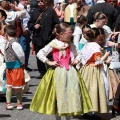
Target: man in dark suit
x=42 y=22
x=114 y=3
x=109 y=10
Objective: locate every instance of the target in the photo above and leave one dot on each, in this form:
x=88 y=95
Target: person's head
x=10 y=31
x=58 y=4
x=6 y=5
x=92 y=35
x=85 y=28
x=101 y=37
x=27 y=2
x=70 y=1
x=78 y=2
x=114 y=2
x=15 y=2
x=100 y=19
x=82 y=20
x=3 y=15
x=41 y=3
x=22 y=2
x=64 y=32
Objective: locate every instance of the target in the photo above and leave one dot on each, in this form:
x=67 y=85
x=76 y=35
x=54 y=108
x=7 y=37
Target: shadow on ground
x=105 y=116
x=26 y=106
x=4 y=115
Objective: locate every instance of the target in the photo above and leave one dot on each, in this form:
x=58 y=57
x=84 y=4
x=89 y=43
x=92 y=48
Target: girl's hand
x=53 y=63
x=108 y=61
x=74 y=62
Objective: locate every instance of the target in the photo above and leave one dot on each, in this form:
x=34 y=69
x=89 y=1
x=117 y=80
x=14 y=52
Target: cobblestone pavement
x=26 y=114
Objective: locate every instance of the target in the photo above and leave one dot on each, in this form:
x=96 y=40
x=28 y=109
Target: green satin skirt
x=61 y=92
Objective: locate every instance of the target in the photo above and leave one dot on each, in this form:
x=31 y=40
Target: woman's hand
x=110 y=44
x=53 y=63
x=114 y=34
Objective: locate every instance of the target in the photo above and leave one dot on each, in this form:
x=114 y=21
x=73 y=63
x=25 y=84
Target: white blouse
x=76 y=36
x=2 y=44
x=13 y=15
x=48 y=49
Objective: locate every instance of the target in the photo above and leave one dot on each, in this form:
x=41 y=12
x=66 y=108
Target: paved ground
x=28 y=115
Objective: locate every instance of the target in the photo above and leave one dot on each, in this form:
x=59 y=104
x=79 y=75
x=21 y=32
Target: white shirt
x=76 y=36
x=71 y=6
x=13 y=16
x=100 y=1
x=26 y=18
x=2 y=44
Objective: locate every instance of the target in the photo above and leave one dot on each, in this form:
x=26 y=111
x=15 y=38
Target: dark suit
x=43 y=35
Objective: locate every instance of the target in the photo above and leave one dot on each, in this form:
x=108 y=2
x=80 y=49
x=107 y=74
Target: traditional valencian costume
x=95 y=77
x=62 y=90
x=3 y=67
x=14 y=61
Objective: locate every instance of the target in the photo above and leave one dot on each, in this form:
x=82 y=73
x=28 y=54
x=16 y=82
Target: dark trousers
x=25 y=43
x=117 y=97
x=41 y=66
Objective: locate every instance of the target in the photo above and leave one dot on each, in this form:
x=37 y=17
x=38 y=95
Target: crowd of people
x=75 y=44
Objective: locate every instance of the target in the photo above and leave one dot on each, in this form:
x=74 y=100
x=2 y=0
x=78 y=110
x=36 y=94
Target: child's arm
x=113 y=44
x=99 y=59
x=105 y=56
x=19 y=52
x=76 y=56
x=43 y=53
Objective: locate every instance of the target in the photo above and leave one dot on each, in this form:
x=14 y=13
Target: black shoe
x=91 y=116
x=28 y=69
x=87 y=116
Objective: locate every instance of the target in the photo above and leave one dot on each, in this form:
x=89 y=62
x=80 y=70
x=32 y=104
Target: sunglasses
x=40 y=1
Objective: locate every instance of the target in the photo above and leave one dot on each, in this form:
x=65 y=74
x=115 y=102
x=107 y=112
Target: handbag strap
x=39 y=17
x=114 y=48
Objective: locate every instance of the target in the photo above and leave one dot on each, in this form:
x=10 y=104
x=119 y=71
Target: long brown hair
x=61 y=27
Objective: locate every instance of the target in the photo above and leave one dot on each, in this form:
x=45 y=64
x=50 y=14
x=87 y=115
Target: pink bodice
x=64 y=60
